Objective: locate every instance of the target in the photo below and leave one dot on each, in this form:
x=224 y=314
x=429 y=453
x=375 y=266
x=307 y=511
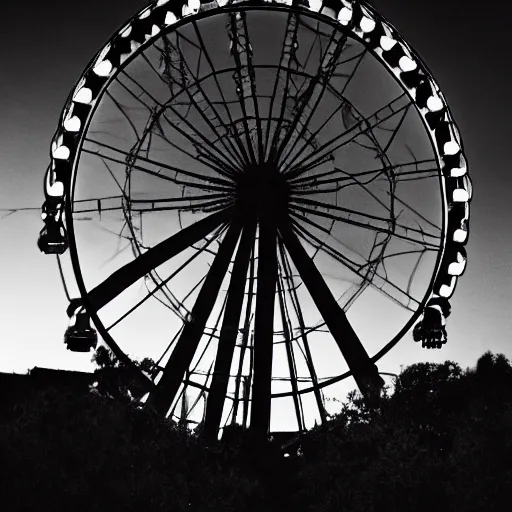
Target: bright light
x=457 y=172
x=460 y=195
x=451 y=148
x=186 y=11
x=367 y=24
x=127 y=31
x=61 y=153
x=345 y=15
x=155 y=29
x=460 y=235
x=161 y=2
x=434 y=104
x=327 y=11
x=386 y=43
x=56 y=190
x=457 y=268
x=103 y=68
x=84 y=95
x=72 y=124
x=145 y=14
x=315 y=5
x=447 y=291
x=407 y=64
x=170 y=18
x=194 y=5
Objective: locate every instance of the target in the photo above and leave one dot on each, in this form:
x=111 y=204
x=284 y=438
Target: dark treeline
x=441 y=440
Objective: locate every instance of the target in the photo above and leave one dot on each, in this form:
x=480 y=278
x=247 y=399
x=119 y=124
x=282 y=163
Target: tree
x=61 y=449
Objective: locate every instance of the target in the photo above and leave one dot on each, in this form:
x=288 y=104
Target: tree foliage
x=442 y=438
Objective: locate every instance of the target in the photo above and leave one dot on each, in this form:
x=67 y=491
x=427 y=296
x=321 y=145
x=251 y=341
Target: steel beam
x=264 y=328
x=309 y=360
x=364 y=371
x=228 y=333
x=181 y=357
x=289 y=355
x=124 y=277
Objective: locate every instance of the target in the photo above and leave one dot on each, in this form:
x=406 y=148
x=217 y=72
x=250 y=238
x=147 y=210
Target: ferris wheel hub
x=262 y=191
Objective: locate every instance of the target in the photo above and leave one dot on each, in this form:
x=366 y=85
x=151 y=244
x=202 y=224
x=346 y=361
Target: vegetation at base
x=441 y=440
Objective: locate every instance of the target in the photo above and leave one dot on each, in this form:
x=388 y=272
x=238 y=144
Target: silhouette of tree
x=116 y=379
x=441 y=440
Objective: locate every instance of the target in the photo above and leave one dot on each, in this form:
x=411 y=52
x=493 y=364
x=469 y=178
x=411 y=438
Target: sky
x=45 y=47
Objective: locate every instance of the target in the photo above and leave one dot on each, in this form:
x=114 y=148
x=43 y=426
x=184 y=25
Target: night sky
x=45 y=47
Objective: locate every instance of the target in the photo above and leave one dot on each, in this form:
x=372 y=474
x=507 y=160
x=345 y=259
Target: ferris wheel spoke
x=191 y=203
x=224 y=103
x=369 y=276
x=156 y=174
x=364 y=371
x=183 y=89
x=390 y=223
x=177 y=308
x=264 y=327
x=131 y=158
x=359 y=59
x=208 y=206
x=181 y=357
x=394 y=170
x=292 y=293
x=212 y=164
x=135 y=96
x=193 y=88
x=292 y=369
x=244 y=38
x=124 y=277
x=160 y=165
x=245 y=80
x=322 y=186
x=361 y=128
x=310 y=99
x=288 y=51
x=371 y=227
x=244 y=346
x=341 y=258
x=229 y=332
x=347 y=137
x=312 y=136
x=123 y=113
x=205 y=148
x=418 y=214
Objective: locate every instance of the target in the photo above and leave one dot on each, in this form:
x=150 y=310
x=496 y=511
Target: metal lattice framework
x=243 y=186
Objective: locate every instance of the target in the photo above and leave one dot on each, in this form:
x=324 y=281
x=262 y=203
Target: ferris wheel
x=264 y=197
